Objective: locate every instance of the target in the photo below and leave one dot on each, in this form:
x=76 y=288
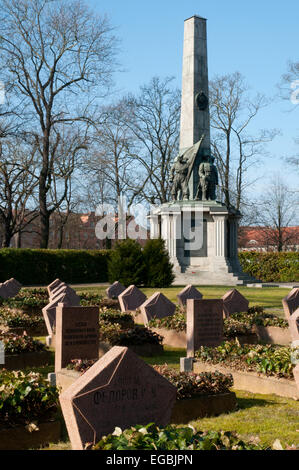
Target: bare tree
x=155 y=120
x=54 y=53
x=276 y=214
x=111 y=162
x=18 y=184
x=232 y=112
x=289 y=91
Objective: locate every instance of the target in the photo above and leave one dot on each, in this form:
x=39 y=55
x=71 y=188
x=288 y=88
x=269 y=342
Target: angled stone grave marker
x=294 y=325
x=49 y=311
x=10 y=288
x=120 y=390
x=204 y=324
x=77 y=334
x=115 y=290
x=57 y=289
x=131 y=299
x=189 y=292
x=291 y=302
x=234 y=302
x=53 y=286
x=68 y=291
x=157 y=306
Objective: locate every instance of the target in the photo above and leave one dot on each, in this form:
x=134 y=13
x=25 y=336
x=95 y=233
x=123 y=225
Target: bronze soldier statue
x=179 y=178
x=208 y=179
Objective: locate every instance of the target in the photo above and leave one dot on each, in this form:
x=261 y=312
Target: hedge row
x=41 y=267
x=271 y=267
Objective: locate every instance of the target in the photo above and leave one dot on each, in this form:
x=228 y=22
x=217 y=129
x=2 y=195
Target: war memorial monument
x=200 y=232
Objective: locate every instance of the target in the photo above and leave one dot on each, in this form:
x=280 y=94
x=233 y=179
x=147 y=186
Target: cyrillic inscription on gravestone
x=204 y=324
x=120 y=390
x=77 y=334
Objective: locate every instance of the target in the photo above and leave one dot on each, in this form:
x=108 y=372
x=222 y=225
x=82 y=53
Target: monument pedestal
x=201 y=238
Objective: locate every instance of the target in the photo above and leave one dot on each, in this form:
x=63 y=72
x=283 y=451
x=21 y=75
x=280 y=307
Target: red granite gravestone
x=131 y=299
x=291 y=302
x=294 y=325
x=189 y=292
x=157 y=306
x=77 y=334
x=115 y=290
x=204 y=324
x=10 y=288
x=234 y=302
x=120 y=390
x=49 y=311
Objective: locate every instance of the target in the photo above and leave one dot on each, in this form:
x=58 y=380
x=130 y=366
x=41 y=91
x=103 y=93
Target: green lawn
x=269 y=297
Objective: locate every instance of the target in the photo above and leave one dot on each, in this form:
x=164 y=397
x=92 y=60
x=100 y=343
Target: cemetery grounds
x=265 y=418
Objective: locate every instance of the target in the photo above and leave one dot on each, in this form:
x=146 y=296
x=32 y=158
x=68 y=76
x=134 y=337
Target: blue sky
x=256 y=38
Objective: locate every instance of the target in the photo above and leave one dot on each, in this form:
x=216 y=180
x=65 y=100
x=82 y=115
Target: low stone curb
x=19 y=438
x=203 y=406
x=266 y=334
x=24 y=360
x=253 y=382
x=273 y=335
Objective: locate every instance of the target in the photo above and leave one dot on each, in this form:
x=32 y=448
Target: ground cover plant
x=17 y=344
x=116 y=335
x=266 y=359
x=172 y=437
x=25 y=397
x=190 y=384
x=14 y=318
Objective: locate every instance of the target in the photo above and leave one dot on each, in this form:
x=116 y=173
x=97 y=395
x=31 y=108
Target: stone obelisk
x=195 y=114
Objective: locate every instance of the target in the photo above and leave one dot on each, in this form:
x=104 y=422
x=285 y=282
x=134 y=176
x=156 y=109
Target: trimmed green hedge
x=271 y=267
x=41 y=267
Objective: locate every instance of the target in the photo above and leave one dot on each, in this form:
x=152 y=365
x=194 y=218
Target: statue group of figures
x=181 y=172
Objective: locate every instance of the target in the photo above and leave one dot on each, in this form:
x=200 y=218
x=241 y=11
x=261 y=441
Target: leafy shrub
x=18 y=319
x=81 y=365
x=190 y=384
x=126 y=263
x=125 y=320
x=271 y=267
x=25 y=397
x=42 y=266
x=15 y=344
x=151 y=437
x=257 y=316
x=233 y=327
x=115 y=335
x=27 y=299
x=159 y=270
x=175 y=322
x=266 y=359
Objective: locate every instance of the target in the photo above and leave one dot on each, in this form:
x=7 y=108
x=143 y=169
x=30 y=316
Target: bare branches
x=232 y=111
